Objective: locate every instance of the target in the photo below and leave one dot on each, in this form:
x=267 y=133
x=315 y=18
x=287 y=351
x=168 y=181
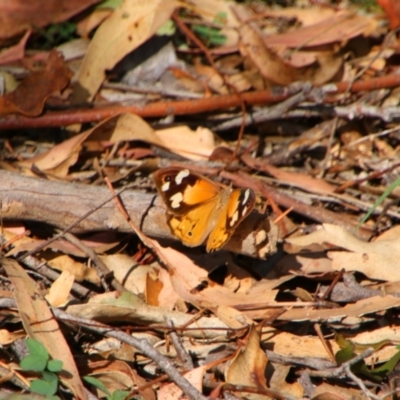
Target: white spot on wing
x=181 y=175
x=260 y=236
x=176 y=200
x=246 y=196
x=165 y=187
x=235 y=217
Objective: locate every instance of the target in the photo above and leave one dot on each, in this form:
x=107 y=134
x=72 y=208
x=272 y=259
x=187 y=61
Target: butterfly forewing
x=239 y=205
x=183 y=190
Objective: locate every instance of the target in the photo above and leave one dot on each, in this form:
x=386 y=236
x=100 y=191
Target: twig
x=267 y=114
x=67 y=229
x=341 y=370
x=187 y=362
x=42 y=268
x=163 y=108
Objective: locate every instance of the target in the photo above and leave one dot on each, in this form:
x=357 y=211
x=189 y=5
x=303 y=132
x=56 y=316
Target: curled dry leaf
x=60 y=289
x=377 y=260
x=324 y=66
x=337 y=28
x=18 y=15
x=29 y=97
x=248 y=366
x=127 y=307
x=172 y=391
x=131 y=24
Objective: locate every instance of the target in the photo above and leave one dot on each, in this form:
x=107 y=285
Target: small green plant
x=117 y=395
x=380 y=200
x=212 y=35
x=38 y=360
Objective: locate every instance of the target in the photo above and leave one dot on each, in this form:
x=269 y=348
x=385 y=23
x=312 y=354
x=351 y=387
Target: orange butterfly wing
x=191 y=200
x=239 y=205
x=198 y=207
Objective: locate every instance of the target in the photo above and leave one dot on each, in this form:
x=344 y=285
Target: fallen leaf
x=131 y=24
x=29 y=97
x=60 y=289
x=340 y=27
x=248 y=366
x=171 y=391
x=377 y=260
x=18 y=16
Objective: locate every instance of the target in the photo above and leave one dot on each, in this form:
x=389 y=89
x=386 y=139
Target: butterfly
x=198 y=208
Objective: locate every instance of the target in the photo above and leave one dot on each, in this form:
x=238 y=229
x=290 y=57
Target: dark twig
x=186 y=360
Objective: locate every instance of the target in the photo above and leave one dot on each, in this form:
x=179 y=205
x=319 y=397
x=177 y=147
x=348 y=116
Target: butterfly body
x=198 y=208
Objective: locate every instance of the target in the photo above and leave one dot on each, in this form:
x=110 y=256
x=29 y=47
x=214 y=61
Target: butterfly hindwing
x=239 y=205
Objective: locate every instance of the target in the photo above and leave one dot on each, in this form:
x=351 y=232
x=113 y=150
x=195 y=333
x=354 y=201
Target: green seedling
x=212 y=35
x=380 y=200
x=117 y=395
x=38 y=360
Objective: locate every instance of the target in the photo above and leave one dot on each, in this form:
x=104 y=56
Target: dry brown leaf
x=278 y=382
x=7 y=337
x=248 y=366
x=59 y=158
x=127 y=271
x=288 y=344
x=131 y=24
x=340 y=27
x=41 y=325
x=18 y=16
x=377 y=260
x=79 y=270
x=306 y=16
x=29 y=97
x=326 y=391
x=232 y=317
x=60 y=289
x=127 y=307
x=172 y=392
x=358 y=309
x=194 y=145
x=118 y=375
x=167 y=297
x=319 y=68
x=186 y=276
x=16 y=52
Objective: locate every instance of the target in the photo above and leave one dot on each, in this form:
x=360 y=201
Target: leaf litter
x=298 y=103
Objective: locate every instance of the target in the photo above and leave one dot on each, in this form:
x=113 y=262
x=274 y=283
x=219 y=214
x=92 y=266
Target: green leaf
x=388 y=366
x=33 y=363
x=36 y=348
x=46 y=386
x=380 y=200
x=209 y=34
x=119 y=395
x=168 y=28
x=55 y=365
x=221 y=18
x=345 y=354
x=110 y=4
x=97 y=383
x=37 y=358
